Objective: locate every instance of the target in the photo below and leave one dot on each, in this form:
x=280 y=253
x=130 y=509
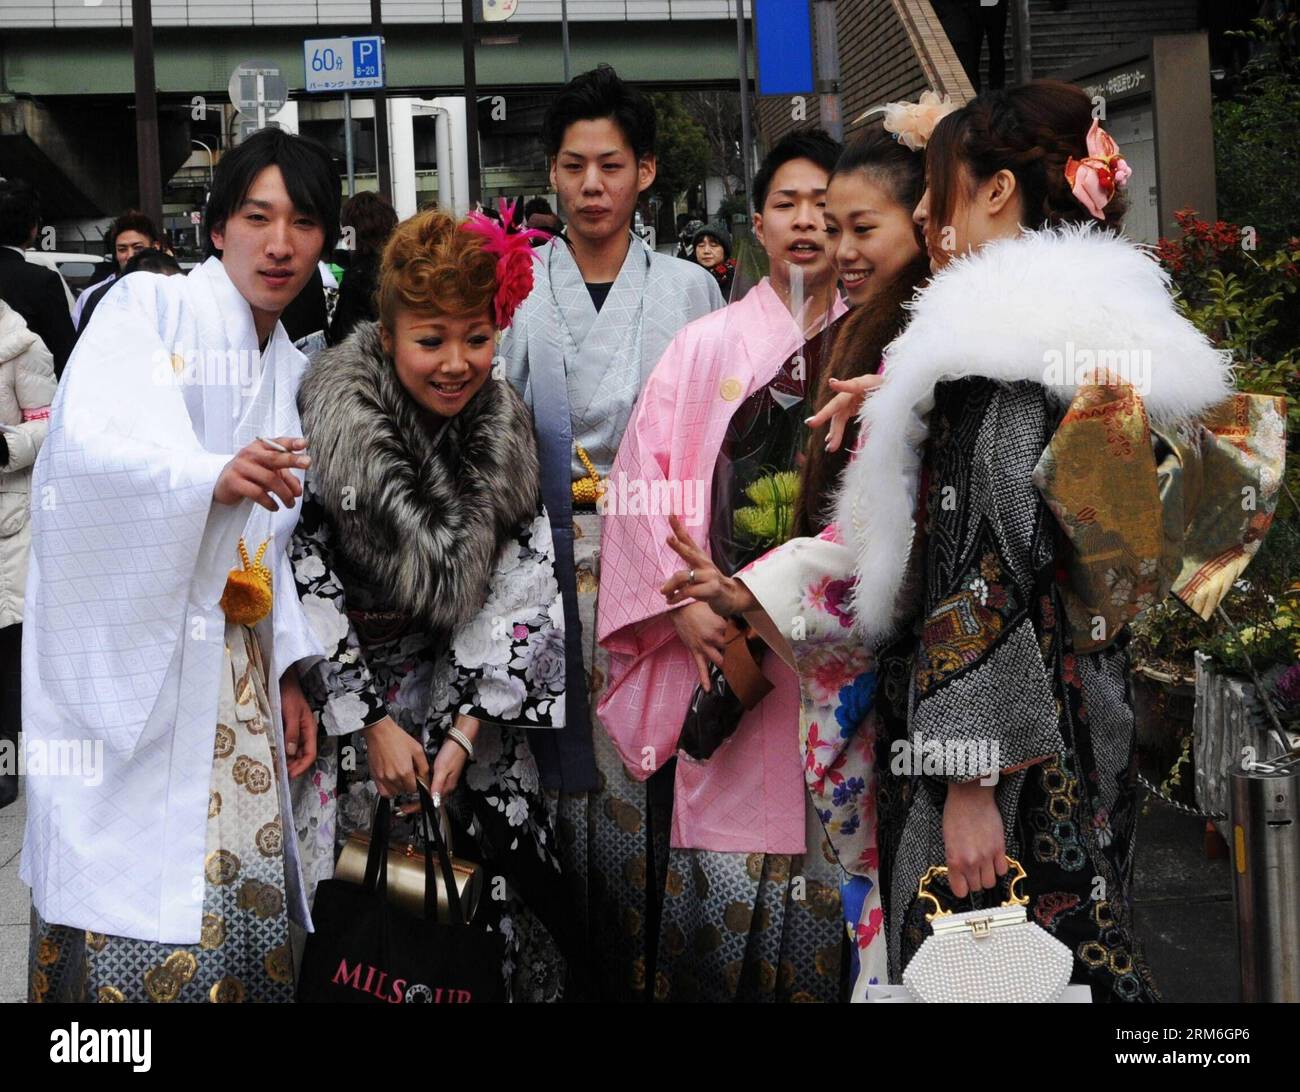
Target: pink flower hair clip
x=514 y=253
x=1095 y=178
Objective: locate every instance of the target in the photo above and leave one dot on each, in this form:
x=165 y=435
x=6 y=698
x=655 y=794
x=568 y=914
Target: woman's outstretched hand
x=845 y=405
x=701 y=580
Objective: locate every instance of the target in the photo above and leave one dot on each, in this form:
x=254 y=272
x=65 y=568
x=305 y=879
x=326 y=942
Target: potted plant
x=1240 y=666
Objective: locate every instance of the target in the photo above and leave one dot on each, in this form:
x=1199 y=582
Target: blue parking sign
x=343 y=64
x=365 y=59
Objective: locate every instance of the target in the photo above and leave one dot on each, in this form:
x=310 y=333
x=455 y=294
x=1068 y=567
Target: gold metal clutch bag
x=406 y=874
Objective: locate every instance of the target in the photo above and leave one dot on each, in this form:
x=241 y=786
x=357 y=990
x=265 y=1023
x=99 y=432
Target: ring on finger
x=690 y=577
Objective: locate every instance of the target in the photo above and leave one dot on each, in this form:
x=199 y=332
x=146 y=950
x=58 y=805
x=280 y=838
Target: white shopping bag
x=898 y=995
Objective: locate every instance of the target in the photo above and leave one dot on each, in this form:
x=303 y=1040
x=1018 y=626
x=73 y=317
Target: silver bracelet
x=460 y=737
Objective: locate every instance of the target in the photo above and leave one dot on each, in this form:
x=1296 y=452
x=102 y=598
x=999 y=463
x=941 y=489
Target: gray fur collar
x=421 y=517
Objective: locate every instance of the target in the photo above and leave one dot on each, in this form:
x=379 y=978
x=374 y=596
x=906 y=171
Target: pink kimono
x=749 y=797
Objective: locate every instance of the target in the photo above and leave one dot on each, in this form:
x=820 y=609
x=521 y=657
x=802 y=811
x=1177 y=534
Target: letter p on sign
x=365 y=60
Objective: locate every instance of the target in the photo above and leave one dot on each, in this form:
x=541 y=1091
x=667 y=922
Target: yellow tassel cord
x=587 y=490
x=247 y=598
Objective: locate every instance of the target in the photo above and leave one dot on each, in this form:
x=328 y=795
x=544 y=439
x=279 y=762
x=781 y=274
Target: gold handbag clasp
x=935 y=871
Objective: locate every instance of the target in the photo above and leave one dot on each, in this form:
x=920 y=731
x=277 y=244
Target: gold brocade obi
x=1190 y=528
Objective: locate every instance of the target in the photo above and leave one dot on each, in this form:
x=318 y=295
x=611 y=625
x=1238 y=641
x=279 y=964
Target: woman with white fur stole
x=1053 y=448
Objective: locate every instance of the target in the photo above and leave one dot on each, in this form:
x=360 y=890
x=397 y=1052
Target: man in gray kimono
x=603 y=309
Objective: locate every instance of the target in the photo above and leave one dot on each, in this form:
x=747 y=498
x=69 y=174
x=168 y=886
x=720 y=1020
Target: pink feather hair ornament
x=514 y=254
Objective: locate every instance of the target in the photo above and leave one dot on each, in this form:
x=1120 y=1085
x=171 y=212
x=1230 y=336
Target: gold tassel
x=247 y=598
x=589 y=489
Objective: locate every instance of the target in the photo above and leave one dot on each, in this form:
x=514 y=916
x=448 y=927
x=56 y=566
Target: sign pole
x=742 y=62
x=382 y=161
x=148 y=162
x=347 y=142
x=828 y=68
x=334 y=65
x=257 y=90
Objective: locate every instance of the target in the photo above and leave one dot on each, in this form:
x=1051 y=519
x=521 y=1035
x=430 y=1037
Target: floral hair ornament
x=913 y=122
x=1095 y=178
x=514 y=253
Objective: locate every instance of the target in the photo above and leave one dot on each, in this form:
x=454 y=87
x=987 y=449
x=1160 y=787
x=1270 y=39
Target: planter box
x=1229 y=718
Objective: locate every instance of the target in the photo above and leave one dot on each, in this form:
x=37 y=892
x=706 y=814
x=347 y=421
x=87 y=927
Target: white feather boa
x=1002 y=313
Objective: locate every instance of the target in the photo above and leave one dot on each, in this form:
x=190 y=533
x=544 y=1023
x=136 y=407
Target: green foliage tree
x=1257 y=133
x=718 y=113
x=683 y=152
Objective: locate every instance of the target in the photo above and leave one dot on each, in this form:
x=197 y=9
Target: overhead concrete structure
x=66 y=75
x=199 y=42
x=80 y=158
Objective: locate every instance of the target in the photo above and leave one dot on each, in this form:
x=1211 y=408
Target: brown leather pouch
x=741 y=664
x=714 y=714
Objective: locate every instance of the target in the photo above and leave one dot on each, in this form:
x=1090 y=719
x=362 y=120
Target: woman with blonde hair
x=424 y=558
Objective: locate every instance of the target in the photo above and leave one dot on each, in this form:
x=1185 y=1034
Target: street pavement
x=15 y=904
x=1183 y=908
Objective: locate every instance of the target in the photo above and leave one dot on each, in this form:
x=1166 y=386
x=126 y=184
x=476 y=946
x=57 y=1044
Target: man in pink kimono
x=750 y=905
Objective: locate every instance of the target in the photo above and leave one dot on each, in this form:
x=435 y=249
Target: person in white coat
x=163 y=632
x=26 y=390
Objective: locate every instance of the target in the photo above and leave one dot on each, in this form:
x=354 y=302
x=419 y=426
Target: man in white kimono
x=163 y=872
x=604 y=307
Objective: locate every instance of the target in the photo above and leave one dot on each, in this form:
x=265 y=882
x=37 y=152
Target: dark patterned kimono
x=1054 y=450
x=988 y=659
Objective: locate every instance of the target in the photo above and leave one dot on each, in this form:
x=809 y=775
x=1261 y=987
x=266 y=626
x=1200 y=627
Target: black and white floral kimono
x=424 y=561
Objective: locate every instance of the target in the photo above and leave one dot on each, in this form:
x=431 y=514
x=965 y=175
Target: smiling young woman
x=425 y=556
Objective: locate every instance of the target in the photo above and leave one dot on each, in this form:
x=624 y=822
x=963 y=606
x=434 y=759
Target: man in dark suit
x=34 y=291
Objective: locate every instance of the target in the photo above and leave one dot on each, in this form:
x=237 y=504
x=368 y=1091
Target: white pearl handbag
x=985 y=956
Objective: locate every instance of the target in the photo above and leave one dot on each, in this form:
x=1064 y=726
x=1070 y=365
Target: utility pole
x=148 y=163
x=471 y=102
x=564 y=39
x=1024 y=45
x=828 y=68
x=385 y=168
x=746 y=131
